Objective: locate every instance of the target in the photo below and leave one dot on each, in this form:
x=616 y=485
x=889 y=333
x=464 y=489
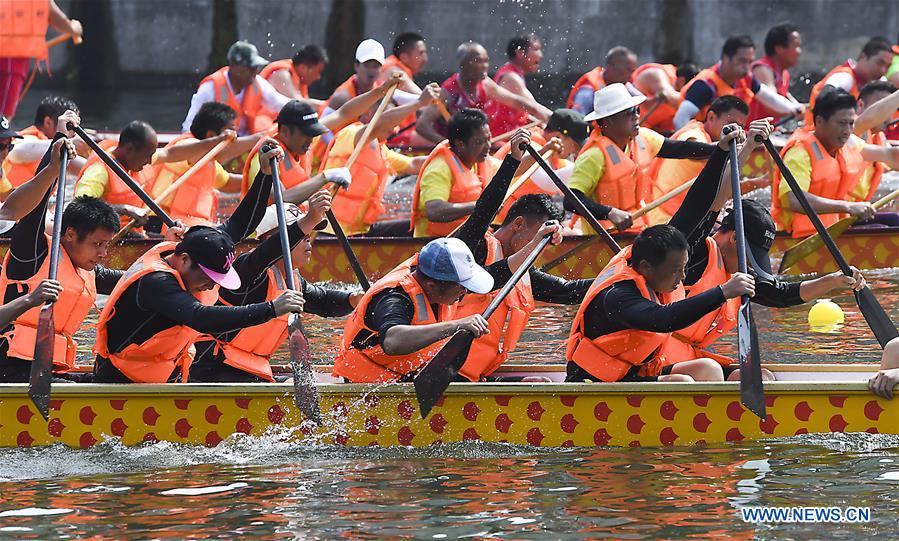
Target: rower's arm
x=239 y=147
x=24 y=199
x=188 y=151
x=405 y=339
x=281 y=81
x=350 y=111
x=60 y=22
x=623 y=302
x=325 y=301
x=774 y=101
x=599 y=211
x=888 y=155
x=764 y=75
x=424 y=126
x=875 y=115
x=517 y=101
x=438 y=210
x=303 y=191
x=821 y=205
x=392 y=118
x=10 y=311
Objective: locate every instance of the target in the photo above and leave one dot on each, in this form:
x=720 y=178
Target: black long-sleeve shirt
x=671 y=148
x=156 y=301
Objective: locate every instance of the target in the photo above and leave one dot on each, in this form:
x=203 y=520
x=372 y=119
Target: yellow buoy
x=825 y=314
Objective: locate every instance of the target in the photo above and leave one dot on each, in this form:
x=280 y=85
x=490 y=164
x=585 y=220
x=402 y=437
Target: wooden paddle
x=42 y=364
x=510 y=133
x=811 y=244
x=130 y=182
x=752 y=393
x=209 y=156
x=578 y=204
x=875 y=316
x=304 y=391
x=435 y=377
x=645 y=209
x=444 y=112
x=62 y=38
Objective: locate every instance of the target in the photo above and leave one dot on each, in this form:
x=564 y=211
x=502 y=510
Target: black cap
x=300 y=113
x=759 y=228
x=569 y=122
x=5 y=131
x=213 y=251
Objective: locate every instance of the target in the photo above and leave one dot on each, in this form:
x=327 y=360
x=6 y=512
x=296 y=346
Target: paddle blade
x=304 y=391
x=810 y=245
x=876 y=317
x=435 y=377
x=42 y=365
x=752 y=394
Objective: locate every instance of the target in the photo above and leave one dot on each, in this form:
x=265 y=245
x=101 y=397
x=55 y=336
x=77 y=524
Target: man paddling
x=367 y=67
x=783 y=47
x=730 y=76
x=293 y=77
x=410 y=55
x=829 y=163
x=620 y=63
x=661 y=84
x=166 y=299
x=525 y=54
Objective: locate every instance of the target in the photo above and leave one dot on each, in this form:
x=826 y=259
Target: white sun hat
x=612 y=99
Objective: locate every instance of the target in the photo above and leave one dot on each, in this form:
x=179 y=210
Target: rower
x=871 y=64
x=713 y=260
x=21 y=164
x=661 y=84
x=135 y=150
x=359 y=207
x=404 y=319
x=369 y=59
x=525 y=54
x=239 y=85
x=166 y=298
x=669 y=174
x=828 y=162
x=878 y=102
x=453 y=176
x=730 y=76
x=196 y=201
x=611 y=173
x=410 y=55
x=783 y=47
x=88 y=225
x=293 y=77
x=470 y=88
x=22 y=38
x=243 y=355
x=7 y=134
x=620 y=63
x=568 y=127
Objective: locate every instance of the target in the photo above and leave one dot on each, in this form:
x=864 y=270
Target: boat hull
x=539 y=414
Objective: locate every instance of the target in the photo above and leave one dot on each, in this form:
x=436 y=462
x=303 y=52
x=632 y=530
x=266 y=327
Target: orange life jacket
x=845 y=67
x=286 y=64
x=690 y=343
x=529 y=187
x=79 y=292
x=293 y=171
x=487 y=353
x=661 y=116
x=23 y=28
x=467 y=187
x=592 y=78
x=879 y=139
x=360 y=206
x=155 y=359
x=625 y=183
x=611 y=356
x=832 y=177
x=20 y=173
x=252 y=347
x=674 y=177
x=372 y=365
x=196 y=199
x=248 y=108
x=117 y=192
x=348 y=86
x=742 y=89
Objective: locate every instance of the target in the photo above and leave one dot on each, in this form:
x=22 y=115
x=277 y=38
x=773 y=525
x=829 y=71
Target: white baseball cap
x=269 y=220
x=450 y=260
x=612 y=99
x=370 y=49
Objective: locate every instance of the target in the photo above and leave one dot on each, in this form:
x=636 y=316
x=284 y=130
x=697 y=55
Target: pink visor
x=228 y=280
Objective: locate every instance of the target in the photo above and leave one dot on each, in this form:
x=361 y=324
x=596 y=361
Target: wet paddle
x=42 y=364
x=209 y=156
x=114 y=165
x=811 y=244
x=582 y=210
x=435 y=377
x=877 y=318
x=304 y=392
x=752 y=393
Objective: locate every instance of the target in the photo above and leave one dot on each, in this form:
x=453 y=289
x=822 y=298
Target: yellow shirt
x=436 y=183
x=675 y=173
x=590 y=166
x=94 y=180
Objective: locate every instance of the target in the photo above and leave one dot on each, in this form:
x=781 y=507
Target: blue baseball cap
x=450 y=260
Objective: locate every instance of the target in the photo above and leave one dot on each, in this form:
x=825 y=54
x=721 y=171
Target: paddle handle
x=135 y=187
x=885 y=200
x=348 y=250
x=516 y=277
x=807 y=207
x=444 y=112
x=740 y=235
x=510 y=133
x=525 y=176
x=578 y=204
x=282 y=223
x=784 y=120
x=366 y=133
x=57 y=213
